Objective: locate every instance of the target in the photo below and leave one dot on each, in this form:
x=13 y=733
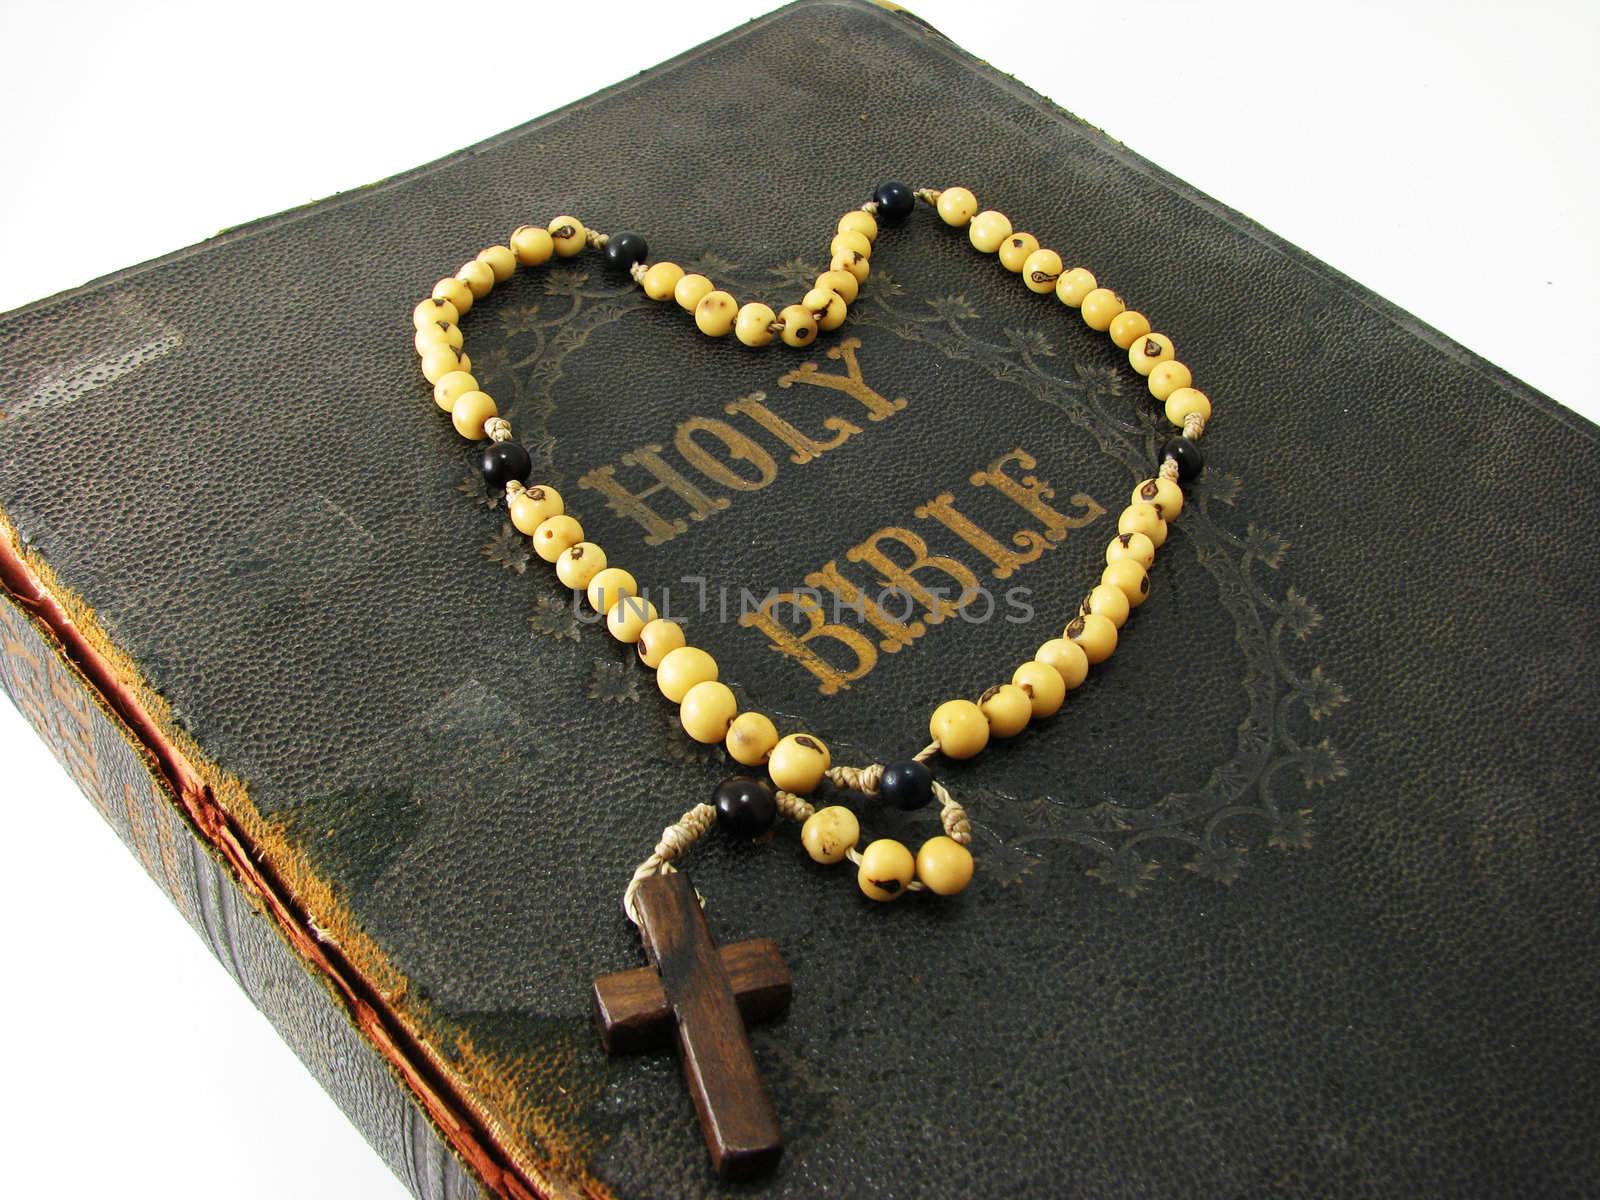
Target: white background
x=1441 y=153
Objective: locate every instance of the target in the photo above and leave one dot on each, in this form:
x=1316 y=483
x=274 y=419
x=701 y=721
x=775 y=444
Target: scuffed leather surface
x=1298 y=893
x=123 y=782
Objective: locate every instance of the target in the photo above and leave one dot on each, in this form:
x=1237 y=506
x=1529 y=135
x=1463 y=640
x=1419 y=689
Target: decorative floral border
x=1204 y=830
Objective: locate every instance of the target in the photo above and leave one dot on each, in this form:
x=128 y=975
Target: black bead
x=622 y=250
x=895 y=202
x=745 y=805
x=501 y=462
x=1186 y=454
x=906 y=785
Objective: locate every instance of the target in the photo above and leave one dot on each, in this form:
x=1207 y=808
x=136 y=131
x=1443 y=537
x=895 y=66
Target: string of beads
x=797 y=763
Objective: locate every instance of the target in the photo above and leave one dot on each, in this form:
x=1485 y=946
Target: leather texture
x=114 y=770
x=1296 y=894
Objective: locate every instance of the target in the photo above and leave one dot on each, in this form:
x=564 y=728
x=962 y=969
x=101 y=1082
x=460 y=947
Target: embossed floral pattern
x=1006 y=864
x=1268 y=547
x=508 y=548
x=1292 y=831
x=1319 y=694
x=1300 y=616
x=1217 y=861
x=553 y=619
x=1126 y=871
x=1128 y=844
x=796 y=273
x=475 y=489
x=613 y=682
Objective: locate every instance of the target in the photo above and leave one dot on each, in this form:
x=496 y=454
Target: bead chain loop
x=687 y=675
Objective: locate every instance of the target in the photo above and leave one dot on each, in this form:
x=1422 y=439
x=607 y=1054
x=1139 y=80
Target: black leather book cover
x=1297 y=893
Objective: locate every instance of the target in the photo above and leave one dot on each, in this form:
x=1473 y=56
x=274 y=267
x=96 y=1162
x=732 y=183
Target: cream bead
x=1101 y=307
x=1168 y=377
x=452 y=289
x=859 y=221
x=956 y=206
x=1149 y=350
x=568 y=234
x=830 y=833
x=988 y=229
x=960 y=728
x=715 y=313
x=437 y=334
x=799 y=326
x=532 y=246
x=752 y=325
x=1067 y=658
x=609 y=587
x=555 y=535
x=1145 y=518
x=1108 y=602
x=627 y=618
x=1093 y=634
x=886 y=868
x=843 y=282
x=1185 y=401
x=500 y=260
x=659 y=639
x=477 y=275
x=944 y=866
x=579 y=564
x=1127 y=327
x=1014 y=251
x=1044 y=687
x=1074 y=286
x=1136 y=546
x=858 y=265
x=532 y=507
x=661 y=280
x=1164 y=494
x=1007 y=708
x=828 y=307
x=681 y=669
x=1130 y=577
x=798 y=763
x=434 y=311
x=708 y=709
x=451 y=385
x=690 y=290
x=1040 y=270
x=850 y=242
x=751 y=738
x=470 y=411
x=439 y=361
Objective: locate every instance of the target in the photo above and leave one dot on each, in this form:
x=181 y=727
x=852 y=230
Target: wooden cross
x=708 y=995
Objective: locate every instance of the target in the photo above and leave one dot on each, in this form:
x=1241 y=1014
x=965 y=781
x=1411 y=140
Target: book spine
x=121 y=779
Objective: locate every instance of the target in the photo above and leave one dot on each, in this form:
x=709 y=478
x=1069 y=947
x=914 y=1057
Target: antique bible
x=1297 y=893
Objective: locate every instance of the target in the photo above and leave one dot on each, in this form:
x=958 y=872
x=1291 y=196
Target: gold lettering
x=850 y=383
x=1031 y=492
x=740 y=448
x=895 y=633
x=903 y=578
x=620 y=500
x=804 y=447
x=942 y=509
x=797 y=646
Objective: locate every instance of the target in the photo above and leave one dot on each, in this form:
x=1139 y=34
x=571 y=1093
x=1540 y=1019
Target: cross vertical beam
x=736 y=1114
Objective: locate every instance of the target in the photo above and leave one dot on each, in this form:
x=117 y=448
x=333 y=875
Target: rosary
x=702 y=994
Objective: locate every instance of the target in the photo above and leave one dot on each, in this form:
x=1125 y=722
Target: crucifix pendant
x=708 y=994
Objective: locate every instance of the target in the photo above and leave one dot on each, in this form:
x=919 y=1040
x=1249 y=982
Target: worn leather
x=1297 y=893
x=117 y=774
